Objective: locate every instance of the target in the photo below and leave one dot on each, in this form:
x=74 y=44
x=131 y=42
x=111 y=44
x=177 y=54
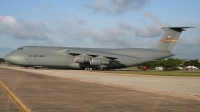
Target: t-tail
x=169 y=38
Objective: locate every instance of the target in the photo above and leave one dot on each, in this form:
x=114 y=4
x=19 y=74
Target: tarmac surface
x=6 y=103
x=47 y=93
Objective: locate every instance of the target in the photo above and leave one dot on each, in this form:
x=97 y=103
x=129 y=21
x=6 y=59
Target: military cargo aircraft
x=94 y=58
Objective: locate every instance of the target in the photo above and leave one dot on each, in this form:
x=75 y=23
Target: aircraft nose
x=11 y=58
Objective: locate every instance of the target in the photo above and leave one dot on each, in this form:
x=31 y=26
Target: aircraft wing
x=109 y=55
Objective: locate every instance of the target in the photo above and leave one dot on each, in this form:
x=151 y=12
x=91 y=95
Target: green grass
x=156 y=73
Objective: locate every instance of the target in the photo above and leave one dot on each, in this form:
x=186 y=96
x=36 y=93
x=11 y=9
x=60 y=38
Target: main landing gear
x=101 y=68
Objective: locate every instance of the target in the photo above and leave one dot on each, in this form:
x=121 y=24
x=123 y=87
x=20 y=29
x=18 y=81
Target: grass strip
x=156 y=73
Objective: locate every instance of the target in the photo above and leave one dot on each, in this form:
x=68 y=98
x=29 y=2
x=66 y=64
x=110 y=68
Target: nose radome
x=12 y=58
x=7 y=58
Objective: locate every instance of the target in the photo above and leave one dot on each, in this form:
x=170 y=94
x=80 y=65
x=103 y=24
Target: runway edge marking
x=15 y=98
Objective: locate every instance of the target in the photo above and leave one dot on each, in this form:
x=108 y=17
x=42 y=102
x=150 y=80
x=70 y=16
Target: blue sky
x=98 y=23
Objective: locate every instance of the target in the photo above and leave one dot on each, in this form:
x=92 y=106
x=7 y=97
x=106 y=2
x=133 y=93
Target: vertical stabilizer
x=169 y=38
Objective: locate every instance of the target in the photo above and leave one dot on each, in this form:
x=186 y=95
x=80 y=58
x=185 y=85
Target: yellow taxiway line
x=16 y=99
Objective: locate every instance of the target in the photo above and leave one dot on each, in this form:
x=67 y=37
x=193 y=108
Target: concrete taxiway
x=86 y=91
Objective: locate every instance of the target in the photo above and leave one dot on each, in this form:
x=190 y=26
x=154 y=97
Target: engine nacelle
x=97 y=61
x=81 y=59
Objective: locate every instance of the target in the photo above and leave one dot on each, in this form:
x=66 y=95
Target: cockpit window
x=21 y=48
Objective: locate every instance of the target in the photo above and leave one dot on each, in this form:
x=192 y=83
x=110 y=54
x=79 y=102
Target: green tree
x=187 y=63
x=150 y=65
x=161 y=63
x=153 y=64
x=2 y=60
x=173 y=63
x=192 y=63
x=169 y=63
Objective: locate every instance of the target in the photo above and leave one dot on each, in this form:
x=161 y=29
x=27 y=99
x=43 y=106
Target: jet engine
x=97 y=61
x=81 y=59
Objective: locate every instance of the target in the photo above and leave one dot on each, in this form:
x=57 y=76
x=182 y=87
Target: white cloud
x=45 y=5
x=122 y=35
x=152 y=30
x=111 y=36
x=123 y=25
x=4 y=50
x=77 y=31
x=190 y=41
x=152 y=17
x=115 y=6
x=21 y=29
x=120 y=6
x=99 y=5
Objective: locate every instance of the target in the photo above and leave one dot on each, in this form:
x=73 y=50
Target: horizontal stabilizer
x=177 y=28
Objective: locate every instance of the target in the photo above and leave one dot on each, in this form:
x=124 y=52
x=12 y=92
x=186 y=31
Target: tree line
x=172 y=63
x=2 y=60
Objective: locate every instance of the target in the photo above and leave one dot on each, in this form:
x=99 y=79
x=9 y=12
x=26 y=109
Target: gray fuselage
x=60 y=57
